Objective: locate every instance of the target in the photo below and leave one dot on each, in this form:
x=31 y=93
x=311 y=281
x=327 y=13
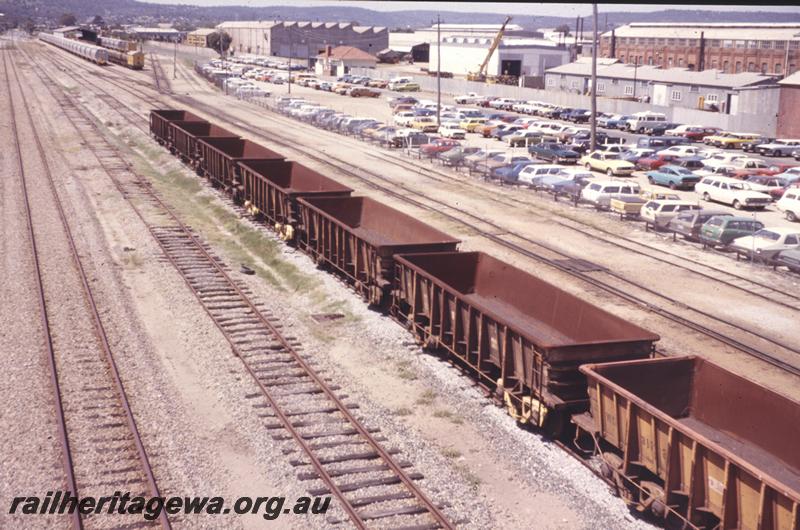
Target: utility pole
x=290 y=59
x=635 y=68
x=438 y=69
x=594 y=79
x=175 y=60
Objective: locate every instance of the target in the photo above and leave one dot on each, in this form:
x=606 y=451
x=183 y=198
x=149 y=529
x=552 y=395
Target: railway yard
x=206 y=296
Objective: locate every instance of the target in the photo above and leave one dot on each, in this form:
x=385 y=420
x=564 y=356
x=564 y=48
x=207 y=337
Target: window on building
x=563 y=76
x=766 y=44
x=778 y=68
x=764 y=68
x=711 y=98
x=551 y=81
x=573 y=84
x=628 y=90
x=740 y=43
x=738 y=66
x=622 y=59
x=676 y=95
x=615 y=81
x=725 y=66
x=601 y=86
x=681 y=42
x=780 y=44
x=680 y=61
x=669 y=62
x=792 y=69
x=752 y=44
x=660 y=42
x=672 y=42
x=794 y=44
x=751 y=67
x=727 y=44
x=694 y=89
x=714 y=64
x=650 y=60
x=713 y=43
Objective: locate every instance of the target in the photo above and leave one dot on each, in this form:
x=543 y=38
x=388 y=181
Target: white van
x=640 y=120
x=600 y=192
x=395 y=83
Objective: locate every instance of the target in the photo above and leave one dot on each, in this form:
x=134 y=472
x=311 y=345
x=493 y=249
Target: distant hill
x=131 y=11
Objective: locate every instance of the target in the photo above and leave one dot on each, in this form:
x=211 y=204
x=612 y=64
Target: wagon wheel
x=611 y=469
x=651 y=498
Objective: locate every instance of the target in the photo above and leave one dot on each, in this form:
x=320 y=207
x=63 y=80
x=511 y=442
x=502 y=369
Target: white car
x=452 y=130
x=780 y=147
x=470 y=97
x=501 y=102
x=789 y=204
x=680 y=130
x=530 y=174
x=731 y=191
x=523 y=137
x=767 y=242
x=600 y=191
x=722 y=160
x=679 y=150
x=640 y=120
x=660 y=212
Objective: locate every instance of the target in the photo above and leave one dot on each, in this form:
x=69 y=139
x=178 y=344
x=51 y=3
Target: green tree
x=67 y=19
x=213 y=41
x=98 y=21
x=563 y=28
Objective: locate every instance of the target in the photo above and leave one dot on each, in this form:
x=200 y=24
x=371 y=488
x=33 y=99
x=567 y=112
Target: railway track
x=339 y=455
x=102 y=449
x=542 y=253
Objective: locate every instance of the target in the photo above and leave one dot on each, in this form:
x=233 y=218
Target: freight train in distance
x=680 y=438
x=129 y=58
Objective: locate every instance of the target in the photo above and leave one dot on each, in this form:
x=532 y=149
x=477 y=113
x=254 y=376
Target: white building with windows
x=515 y=56
x=671 y=87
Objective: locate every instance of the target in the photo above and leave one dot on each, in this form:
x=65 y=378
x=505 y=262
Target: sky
x=512 y=8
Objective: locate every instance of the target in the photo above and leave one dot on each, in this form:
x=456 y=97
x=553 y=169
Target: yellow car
x=608 y=163
x=470 y=124
x=425 y=124
x=730 y=140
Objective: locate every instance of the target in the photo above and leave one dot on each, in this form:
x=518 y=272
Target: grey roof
x=676 y=76
x=710 y=30
x=791 y=80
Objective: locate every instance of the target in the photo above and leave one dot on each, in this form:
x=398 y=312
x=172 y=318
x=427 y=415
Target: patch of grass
x=451 y=452
x=405 y=372
x=448 y=415
x=471 y=478
x=426 y=398
x=403 y=411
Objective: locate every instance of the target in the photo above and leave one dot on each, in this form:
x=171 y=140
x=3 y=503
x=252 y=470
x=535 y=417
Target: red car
x=774 y=169
x=484 y=102
x=438 y=145
x=655 y=161
x=696 y=134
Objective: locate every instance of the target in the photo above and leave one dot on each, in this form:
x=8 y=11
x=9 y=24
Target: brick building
x=729 y=47
x=199 y=37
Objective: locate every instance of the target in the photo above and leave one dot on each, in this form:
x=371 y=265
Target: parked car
x=470 y=97
x=505 y=129
x=532 y=174
x=524 y=138
x=617 y=121
x=569 y=187
x=470 y=124
x=751 y=146
x=438 y=145
x=774 y=186
x=509 y=173
x=404 y=100
x=578 y=115
x=378 y=83
x=789 y=204
x=404 y=119
x=722 y=230
x=688 y=223
x=692 y=163
x=608 y=163
x=661 y=212
x=640 y=120
x=457 y=156
x=600 y=192
x=659 y=129
x=730 y=140
x=502 y=159
x=424 y=124
x=452 y=130
x=675 y=177
x=481 y=156
x=633 y=155
x=767 y=242
x=661 y=142
x=679 y=150
x=780 y=147
x=731 y=191
x=788 y=258
x=554 y=152
x=359 y=92
x=655 y=161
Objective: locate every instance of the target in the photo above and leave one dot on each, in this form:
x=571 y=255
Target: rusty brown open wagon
x=219 y=161
x=359 y=236
x=691 y=441
x=272 y=187
x=524 y=338
x=183 y=137
x=160 y=120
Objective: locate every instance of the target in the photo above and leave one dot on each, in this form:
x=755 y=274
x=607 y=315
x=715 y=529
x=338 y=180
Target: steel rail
x=422 y=499
x=99 y=328
x=66 y=453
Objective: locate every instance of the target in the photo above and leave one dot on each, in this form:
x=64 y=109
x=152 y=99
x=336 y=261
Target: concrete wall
x=753 y=120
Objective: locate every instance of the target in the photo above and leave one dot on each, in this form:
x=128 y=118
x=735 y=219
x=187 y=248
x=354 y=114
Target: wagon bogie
x=219 y=160
x=358 y=237
x=523 y=338
x=272 y=187
x=695 y=443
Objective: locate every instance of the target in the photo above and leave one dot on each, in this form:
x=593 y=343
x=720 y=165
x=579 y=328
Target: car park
x=688 y=223
x=789 y=204
x=731 y=191
x=554 y=152
x=730 y=140
x=723 y=229
x=660 y=212
x=600 y=192
x=767 y=242
x=531 y=174
x=509 y=173
x=608 y=163
x=674 y=177
x=524 y=138
x=780 y=147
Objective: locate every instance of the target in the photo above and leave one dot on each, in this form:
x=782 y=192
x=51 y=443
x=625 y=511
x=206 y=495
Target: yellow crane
x=480 y=75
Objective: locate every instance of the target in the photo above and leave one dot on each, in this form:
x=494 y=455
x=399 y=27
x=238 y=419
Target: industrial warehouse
x=445 y=267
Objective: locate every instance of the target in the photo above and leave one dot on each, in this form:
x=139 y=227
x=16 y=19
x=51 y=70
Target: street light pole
x=438 y=70
x=290 y=60
x=635 y=69
x=175 y=60
x=594 y=79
